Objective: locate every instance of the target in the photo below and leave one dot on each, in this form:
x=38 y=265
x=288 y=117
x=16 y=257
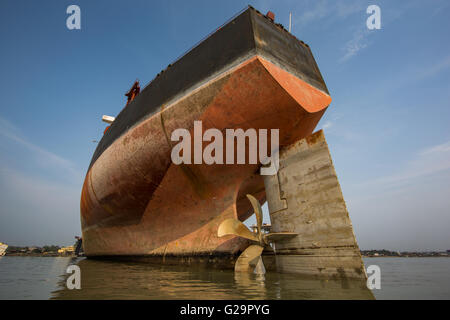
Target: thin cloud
x=37 y=207
x=419 y=73
x=347 y=8
x=37 y=211
x=434 y=69
x=327 y=125
x=426 y=162
x=47 y=158
x=320 y=10
x=355 y=45
x=438 y=149
x=331 y=12
x=325 y=11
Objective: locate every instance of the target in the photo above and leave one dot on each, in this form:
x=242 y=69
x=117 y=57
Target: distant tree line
x=388 y=253
x=46 y=248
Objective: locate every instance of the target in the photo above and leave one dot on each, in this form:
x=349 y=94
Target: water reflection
x=30 y=277
x=131 y=280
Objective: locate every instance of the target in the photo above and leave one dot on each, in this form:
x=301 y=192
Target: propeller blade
x=237 y=228
x=279 y=236
x=260 y=269
x=248 y=259
x=258 y=211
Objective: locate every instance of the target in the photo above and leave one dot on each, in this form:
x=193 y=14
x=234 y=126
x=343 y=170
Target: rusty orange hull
x=136 y=202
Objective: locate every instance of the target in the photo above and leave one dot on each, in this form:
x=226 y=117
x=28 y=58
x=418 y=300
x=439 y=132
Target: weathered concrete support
x=305 y=197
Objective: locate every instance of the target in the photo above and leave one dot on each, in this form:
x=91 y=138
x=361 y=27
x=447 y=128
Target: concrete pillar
x=305 y=197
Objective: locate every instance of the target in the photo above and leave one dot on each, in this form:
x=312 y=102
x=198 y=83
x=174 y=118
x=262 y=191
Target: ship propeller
x=250 y=259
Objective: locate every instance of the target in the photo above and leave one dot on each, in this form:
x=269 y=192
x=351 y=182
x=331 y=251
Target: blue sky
x=387 y=126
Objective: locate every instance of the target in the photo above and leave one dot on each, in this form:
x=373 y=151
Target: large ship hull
x=136 y=202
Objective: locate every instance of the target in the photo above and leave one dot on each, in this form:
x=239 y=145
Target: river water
x=45 y=278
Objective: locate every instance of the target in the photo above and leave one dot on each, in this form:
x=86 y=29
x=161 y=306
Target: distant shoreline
x=415 y=255
x=405 y=254
x=38 y=255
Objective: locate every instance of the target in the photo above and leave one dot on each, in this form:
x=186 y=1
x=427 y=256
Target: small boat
x=3 y=247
